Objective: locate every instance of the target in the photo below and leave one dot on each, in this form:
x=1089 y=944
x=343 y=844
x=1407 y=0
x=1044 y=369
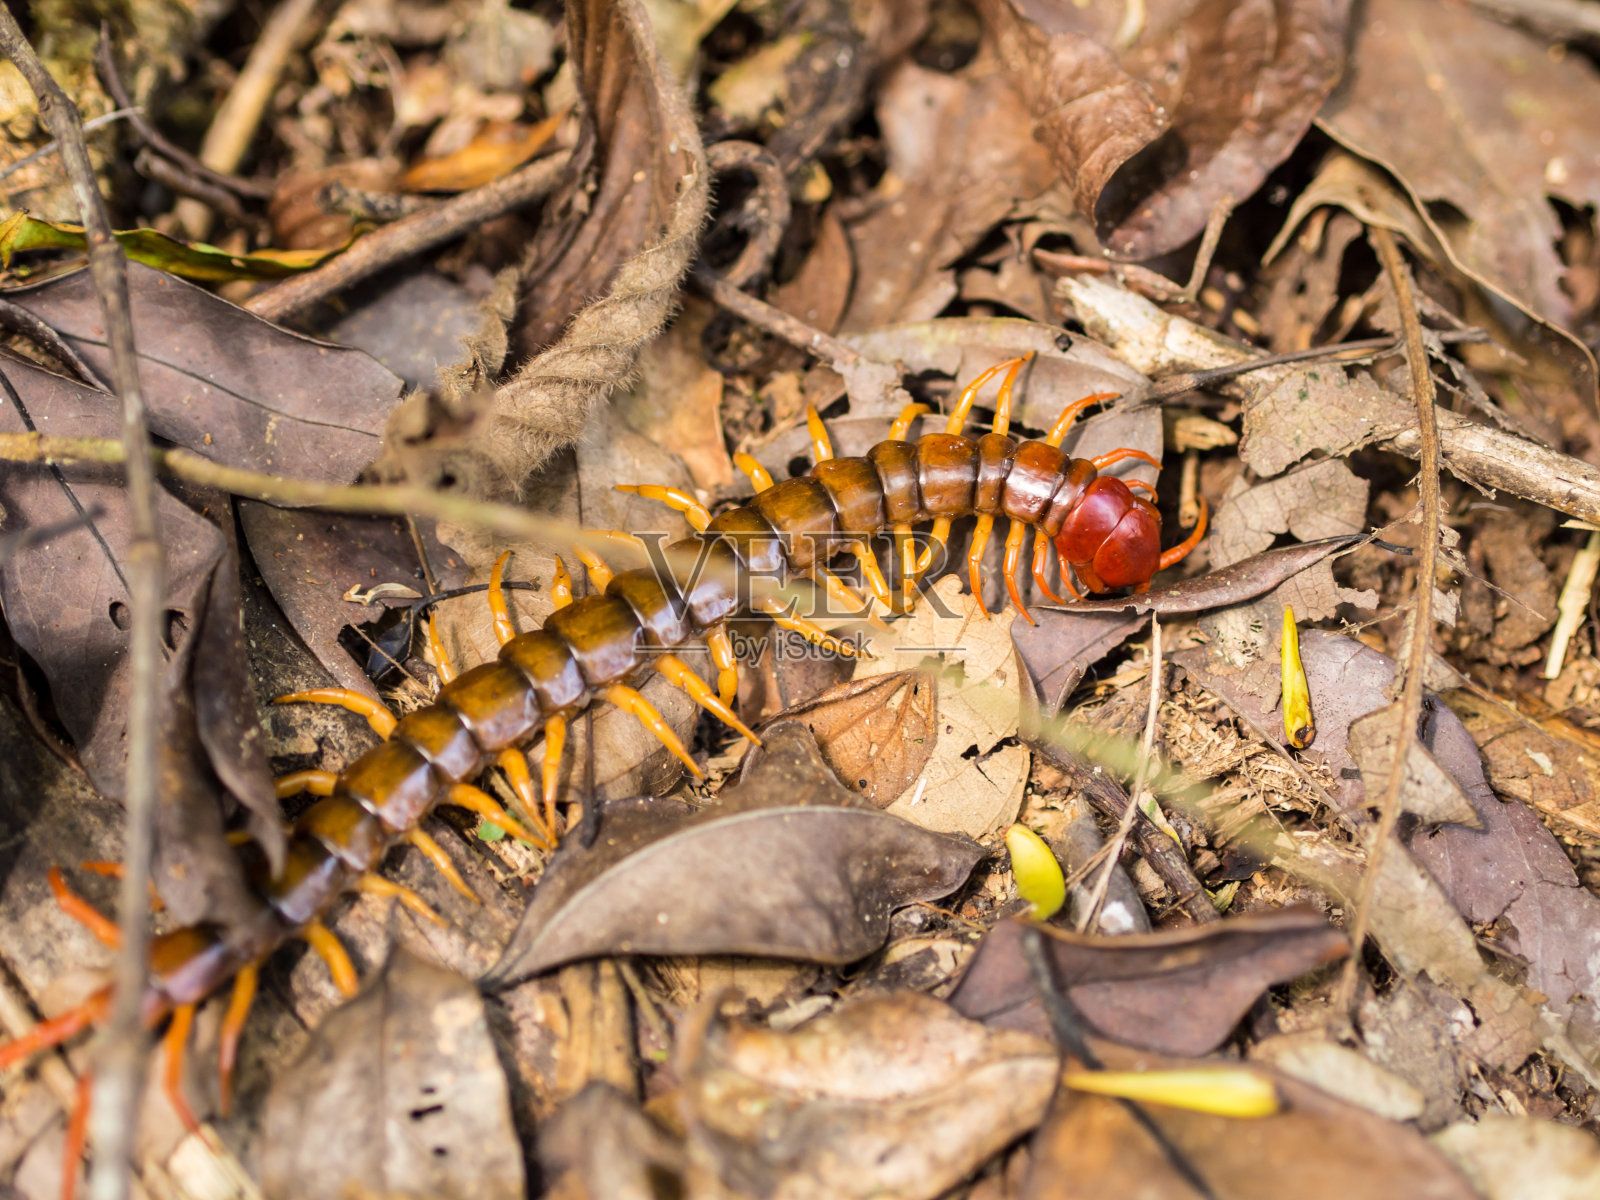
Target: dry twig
x=1416 y=661
x=121 y=1049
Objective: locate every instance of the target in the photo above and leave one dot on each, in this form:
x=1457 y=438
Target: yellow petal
x=1036 y=871
x=1299 y=726
x=1220 y=1091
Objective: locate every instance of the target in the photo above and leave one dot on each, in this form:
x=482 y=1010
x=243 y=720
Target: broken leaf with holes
x=894 y=1095
x=786 y=864
x=400 y=1094
x=974 y=775
x=1314 y=1148
x=877 y=733
x=1178 y=991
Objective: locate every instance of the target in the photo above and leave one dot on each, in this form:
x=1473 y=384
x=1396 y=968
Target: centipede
x=600 y=648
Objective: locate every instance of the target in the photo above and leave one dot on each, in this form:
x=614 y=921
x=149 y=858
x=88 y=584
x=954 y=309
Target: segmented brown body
x=1107 y=533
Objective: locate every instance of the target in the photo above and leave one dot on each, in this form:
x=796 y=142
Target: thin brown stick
x=409 y=236
x=774 y=320
x=120 y=1049
x=1421 y=610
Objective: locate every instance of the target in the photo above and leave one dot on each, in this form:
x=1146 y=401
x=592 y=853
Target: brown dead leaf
x=1508 y=132
x=1314 y=1148
x=1519 y=1158
x=1428 y=793
x=821 y=288
x=786 y=864
x=889 y=1096
x=877 y=733
x=971 y=782
x=1151 y=124
x=400 y=1094
x=960 y=160
x=499 y=148
x=1541 y=759
x=599 y=1146
x=1177 y=991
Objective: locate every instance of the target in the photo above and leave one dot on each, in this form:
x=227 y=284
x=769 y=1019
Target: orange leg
x=1041 y=563
x=504 y=630
x=963 y=407
x=809 y=630
x=239 y=1002
x=872 y=573
x=441 y=656
x=1174 y=556
x=631 y=702
x=980 y=542
x=56 y=1030
x=515 y=764
x=334 y=956
x=380 y=718
x=760 y=478
x=561 y=585
x=1142 y=486
x=377 y=885
x=821 y=443
x=464 y=795
x=80 y=910
x=318 y=783
x=907 y=418
x=77 y=1136
x=434 y=853
x=908 y=565
x=1069 y=414
x=673 y=497
x=1102 y=461
x=1066 y=579
x=727 y=663
x=555 y=742
x=172 y=1045
x=680 y=674
x=1013 y=559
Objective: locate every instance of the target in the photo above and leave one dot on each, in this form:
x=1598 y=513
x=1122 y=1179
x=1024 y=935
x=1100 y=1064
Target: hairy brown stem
x=121 y=1048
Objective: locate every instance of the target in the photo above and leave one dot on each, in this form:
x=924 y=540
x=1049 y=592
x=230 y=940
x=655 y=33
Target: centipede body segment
x=601 y=646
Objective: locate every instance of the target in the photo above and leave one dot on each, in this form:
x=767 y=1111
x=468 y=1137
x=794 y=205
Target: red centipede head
x=1112 y=538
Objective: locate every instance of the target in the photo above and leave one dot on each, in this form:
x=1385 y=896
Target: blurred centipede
x=597 y=649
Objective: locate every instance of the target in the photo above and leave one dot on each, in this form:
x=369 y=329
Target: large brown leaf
x=66 y=603
x=893 y=1095
x=1486 y=129
x=1205 y=99
x=400 y=1094
x=787 y=864
x=1177 y=991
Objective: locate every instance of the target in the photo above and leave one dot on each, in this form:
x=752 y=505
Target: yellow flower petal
x=1036 y=871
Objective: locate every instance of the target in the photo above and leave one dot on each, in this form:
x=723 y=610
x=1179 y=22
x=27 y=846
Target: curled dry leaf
x=400 y=1094
x=1314 y=1148
x=893 y=1095
x=1152 y=124
x=786 y=864
x=1177 y=991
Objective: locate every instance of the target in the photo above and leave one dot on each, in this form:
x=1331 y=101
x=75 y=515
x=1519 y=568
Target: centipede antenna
x=633 y=703
x=173 y=1044
x=331 y=951
x=821 y=443
x=760 y=478
x=1174 y=556
x=233 y=1022
x=318 y=783
x=376 y=713
x=434 y=853
x=504 y=630
x=981 y=531
x=677 y=672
